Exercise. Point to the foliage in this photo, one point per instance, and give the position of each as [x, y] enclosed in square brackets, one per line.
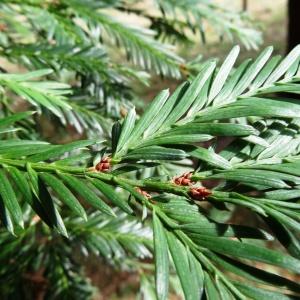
[259, 158]
[77, 39]
[230, 136]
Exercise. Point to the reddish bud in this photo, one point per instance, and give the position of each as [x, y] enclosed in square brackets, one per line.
[143, 193]
[104, 165]
[3, 27]
[184, 179]
[199, 193]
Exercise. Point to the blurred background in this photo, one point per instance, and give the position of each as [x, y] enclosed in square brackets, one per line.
[270, 16]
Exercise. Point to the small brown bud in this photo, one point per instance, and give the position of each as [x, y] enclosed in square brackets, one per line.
[184, 179]
[3, 27]
[104, 165]
[123, 112]
[199, 193]
[143, 193]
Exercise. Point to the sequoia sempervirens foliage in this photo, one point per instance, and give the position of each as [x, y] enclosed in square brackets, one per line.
[258, 170]
[154, 193]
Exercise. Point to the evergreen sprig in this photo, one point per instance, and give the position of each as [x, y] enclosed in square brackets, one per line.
[257, 170]
[78, 39]
[154, 192]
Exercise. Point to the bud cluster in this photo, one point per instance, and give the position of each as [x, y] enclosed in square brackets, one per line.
[197, 193]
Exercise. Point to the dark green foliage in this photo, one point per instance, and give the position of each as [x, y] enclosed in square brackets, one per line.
[194, 239]
[112, 196]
